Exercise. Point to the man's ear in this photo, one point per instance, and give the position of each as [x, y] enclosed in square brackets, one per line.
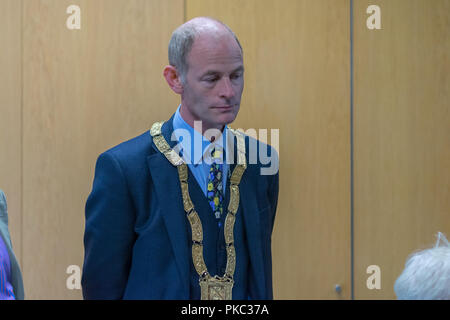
[173, 79]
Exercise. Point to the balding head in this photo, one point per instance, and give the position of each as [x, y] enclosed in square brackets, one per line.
[184, 36]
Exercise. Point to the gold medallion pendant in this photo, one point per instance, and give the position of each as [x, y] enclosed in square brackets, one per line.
[211, 287]
[216, 288]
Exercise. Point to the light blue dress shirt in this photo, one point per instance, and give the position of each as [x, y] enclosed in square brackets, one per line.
[196, 151]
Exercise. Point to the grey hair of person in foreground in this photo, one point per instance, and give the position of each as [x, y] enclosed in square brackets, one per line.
[427, 274]
[183, 37]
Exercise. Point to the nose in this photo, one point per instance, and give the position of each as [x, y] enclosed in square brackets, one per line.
[226, 88]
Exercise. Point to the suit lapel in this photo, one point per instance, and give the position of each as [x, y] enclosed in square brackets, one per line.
[167, 188]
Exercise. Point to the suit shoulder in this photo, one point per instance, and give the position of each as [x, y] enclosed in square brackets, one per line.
[260, 155]
[128, 157]
[251, 141]
[137, 147]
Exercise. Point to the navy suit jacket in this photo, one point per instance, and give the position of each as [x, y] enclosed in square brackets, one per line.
[136, 239]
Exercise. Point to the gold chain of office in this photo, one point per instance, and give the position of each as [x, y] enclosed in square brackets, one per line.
[212, 287]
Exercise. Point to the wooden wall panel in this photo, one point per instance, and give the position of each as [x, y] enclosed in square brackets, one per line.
[11, 117]
[84, 91]
[402, 136]
[297, 79]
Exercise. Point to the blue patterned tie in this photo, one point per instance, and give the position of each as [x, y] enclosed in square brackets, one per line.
[215, 192]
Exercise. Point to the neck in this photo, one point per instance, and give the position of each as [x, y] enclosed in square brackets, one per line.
[191, 119]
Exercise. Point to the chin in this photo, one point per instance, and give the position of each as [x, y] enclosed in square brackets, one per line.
[227, 119]
[223, 118]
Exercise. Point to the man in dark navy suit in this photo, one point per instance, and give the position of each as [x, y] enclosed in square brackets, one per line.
[167, 217]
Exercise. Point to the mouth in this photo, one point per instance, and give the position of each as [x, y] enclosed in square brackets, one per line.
[224, 108]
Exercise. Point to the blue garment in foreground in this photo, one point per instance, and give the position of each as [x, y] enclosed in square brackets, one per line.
[6, 289]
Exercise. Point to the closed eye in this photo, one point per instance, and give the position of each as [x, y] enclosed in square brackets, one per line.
[211, 79]
[236, 76]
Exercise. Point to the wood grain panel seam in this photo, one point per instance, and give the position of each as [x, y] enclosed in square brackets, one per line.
[352, 180]
[21, 137]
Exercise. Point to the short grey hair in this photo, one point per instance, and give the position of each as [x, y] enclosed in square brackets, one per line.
[181, 43]
[427, 274]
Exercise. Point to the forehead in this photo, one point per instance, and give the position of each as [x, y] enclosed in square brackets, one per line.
[214, 52]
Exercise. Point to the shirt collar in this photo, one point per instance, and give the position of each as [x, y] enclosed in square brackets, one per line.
[180, 123]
